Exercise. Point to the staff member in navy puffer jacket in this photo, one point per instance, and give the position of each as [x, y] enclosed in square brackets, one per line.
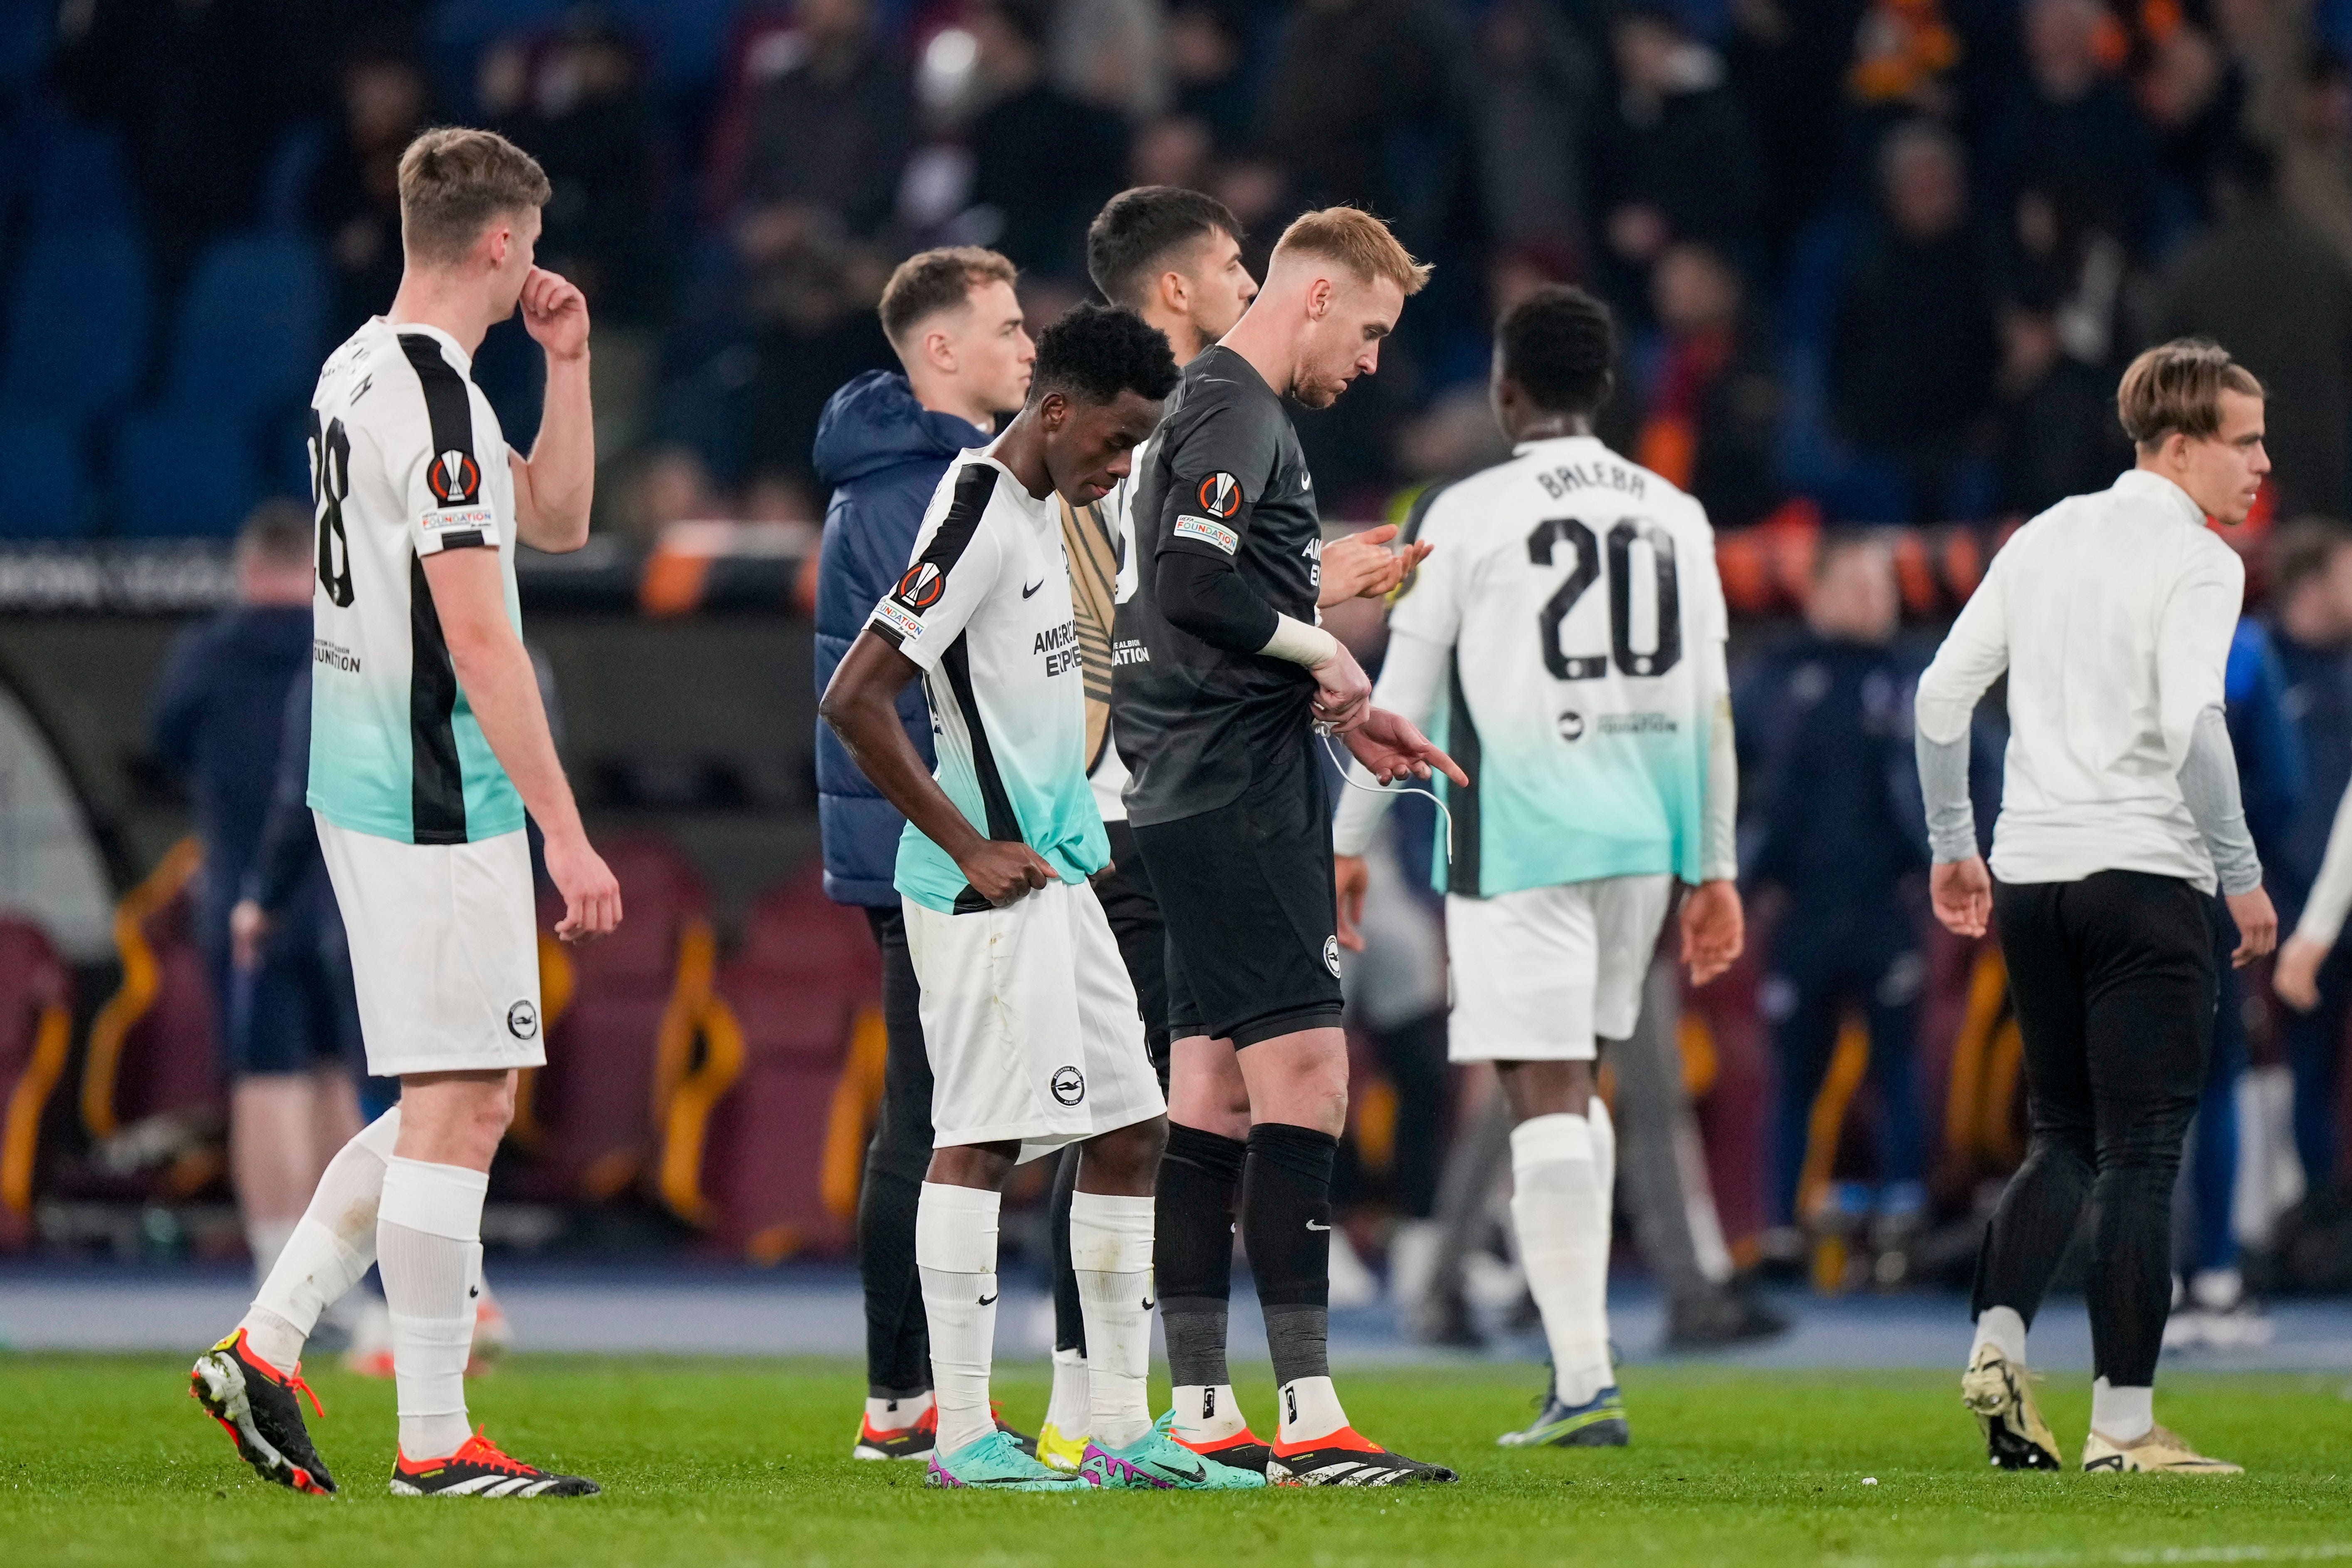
[882, 443]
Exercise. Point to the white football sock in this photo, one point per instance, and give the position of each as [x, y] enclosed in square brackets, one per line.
[1111, 1252]
[895, 1415]
[1206, 1413]
[429, 1248]
[331, 1249]
[955, 1253]
[2003, 1328]
[1066, 1410]
[1556, 1214]
[2121, 1416]
[265, 1240]
[1604, 1161]
[1310, 1409]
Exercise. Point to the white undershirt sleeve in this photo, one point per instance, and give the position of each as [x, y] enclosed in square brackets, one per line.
[1719, 825]
[1407, 687]
[2331, 891]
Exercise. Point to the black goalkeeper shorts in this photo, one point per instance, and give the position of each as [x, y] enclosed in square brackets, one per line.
[1245, 890]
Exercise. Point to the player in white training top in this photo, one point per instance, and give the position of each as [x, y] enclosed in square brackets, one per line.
[428, 743]
[1564, 640]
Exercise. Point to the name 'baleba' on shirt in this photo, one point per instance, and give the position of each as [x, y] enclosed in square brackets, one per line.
[1577, 598]
[983, 611]
[1224, 478]
[407, 460]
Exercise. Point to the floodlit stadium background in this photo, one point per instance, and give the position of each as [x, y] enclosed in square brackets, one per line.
[1876, 264]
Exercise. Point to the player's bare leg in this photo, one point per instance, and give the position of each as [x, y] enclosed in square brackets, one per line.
[1562, 1168]
[1298, 1105]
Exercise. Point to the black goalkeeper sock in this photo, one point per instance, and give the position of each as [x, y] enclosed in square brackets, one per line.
[1192, 1250]
[1287, 1226]
[1069, 1322]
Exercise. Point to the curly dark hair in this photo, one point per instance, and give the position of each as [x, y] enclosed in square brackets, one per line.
[1093, 353]
[1558, 343]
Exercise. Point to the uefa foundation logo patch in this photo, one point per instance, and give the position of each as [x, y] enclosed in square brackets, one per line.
[1331, 954]
[920, 588]
[522, 1020]
[1221, 496]
[1069, 1085]
[454, 479]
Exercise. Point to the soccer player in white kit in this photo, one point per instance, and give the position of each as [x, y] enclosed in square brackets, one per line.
[1029, 1017]
[429, 744]
[1564, 642]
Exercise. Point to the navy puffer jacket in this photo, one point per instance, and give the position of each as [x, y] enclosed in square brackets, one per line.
[883, 454]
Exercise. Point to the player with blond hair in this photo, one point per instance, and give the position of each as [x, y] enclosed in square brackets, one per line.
[1220, 680]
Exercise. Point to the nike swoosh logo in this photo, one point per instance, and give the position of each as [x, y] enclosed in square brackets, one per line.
[1312, 1226]
[988, 1300]
[1149, 1303]
[1032, 587]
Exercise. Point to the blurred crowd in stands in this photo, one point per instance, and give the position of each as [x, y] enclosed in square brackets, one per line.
[1879, 259]
[1878, 262]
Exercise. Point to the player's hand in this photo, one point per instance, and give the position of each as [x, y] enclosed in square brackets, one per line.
[1715, 929]
[248, 927]
[1361, 566]
[2295, 976]
[555, 314]
[591, 894]
[1390, 749]
[1343, 692]
[1961, 893]
[2257, 925]
[1349, 878]
[1004, 873]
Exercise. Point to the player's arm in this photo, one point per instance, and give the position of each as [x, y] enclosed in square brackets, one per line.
[470, 596]
[2192, 650]
[556, 485]
[2296, 976]
[1973, 657]
[1714, 926]
[1407, 692]
[861, 704]
[1198, 537]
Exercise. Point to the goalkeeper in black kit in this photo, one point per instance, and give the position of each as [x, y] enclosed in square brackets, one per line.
[1221, 680]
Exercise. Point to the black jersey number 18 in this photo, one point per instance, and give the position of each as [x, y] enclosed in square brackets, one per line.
[1622, 535]
[331, 482]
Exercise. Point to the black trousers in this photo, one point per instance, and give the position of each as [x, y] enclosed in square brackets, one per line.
[897, 1336]
[2115, 985]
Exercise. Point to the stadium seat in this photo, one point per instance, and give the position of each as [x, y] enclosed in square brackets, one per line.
[36, 1032]
[182, 474]
[247, 338]
[779, 1162]
[77, 324]
[634, 1005]
[151, 1086]
[44, 481]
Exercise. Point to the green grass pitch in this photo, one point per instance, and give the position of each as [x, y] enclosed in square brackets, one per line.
[714, 1463]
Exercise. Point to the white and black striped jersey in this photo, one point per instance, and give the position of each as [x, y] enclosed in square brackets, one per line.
[406, 459]
[985, 612]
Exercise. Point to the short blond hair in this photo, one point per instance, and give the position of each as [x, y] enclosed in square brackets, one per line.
[454, 181]
[2176, 388]
[930, 281]
[1358, 241]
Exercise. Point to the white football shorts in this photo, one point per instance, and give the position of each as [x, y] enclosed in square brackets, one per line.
[1031, 1024]
[445, 949]
[1540, 974]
